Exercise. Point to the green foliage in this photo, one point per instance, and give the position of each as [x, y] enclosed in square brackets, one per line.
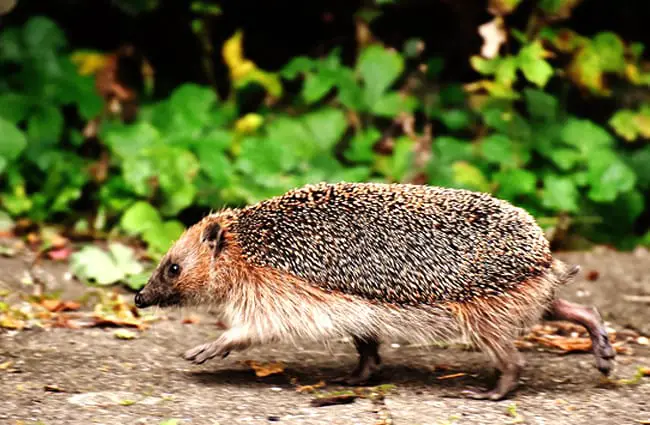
[509, 133]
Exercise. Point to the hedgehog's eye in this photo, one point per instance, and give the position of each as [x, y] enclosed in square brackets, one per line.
[174, 270]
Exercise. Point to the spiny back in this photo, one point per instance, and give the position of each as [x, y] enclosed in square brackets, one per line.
[401, 244]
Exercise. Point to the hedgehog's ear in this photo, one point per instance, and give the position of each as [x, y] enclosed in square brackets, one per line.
[213, 235]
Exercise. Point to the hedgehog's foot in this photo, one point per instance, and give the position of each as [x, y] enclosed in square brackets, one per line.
[510, 363]
[222, 347]
[369, 362]
[589, 318]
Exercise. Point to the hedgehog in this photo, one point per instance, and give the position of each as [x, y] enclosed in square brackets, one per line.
[369, 262]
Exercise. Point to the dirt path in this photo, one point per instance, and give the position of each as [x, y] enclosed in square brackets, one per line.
[88, 376]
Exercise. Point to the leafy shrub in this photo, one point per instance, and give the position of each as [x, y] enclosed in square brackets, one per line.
[508, 133]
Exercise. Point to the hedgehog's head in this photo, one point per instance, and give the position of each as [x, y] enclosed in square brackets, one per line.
[182, 276]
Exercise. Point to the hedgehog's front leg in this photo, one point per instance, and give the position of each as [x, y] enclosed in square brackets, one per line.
[509, 362]
[589, 318]
[369, 361]
[231, 340]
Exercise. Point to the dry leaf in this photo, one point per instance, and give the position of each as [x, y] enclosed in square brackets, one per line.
[334, 400]
[310, 388]
[265, 369]
[6, 365]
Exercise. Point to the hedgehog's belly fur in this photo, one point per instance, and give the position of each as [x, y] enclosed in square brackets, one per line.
[406, 245]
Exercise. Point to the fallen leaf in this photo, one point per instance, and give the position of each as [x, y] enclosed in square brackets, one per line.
[265, 369]
[334, 400]
[5, 365]
[593, 275]
[124, 334]
[53, 389]
[310, 388]
[645, 371]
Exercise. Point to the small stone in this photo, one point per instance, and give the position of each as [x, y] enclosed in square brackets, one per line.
[642, 340]
[395, 345]
[276, 389]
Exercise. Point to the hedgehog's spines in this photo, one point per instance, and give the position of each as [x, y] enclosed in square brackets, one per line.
[399, 244]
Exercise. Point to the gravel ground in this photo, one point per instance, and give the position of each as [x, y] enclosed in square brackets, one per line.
[88, 376]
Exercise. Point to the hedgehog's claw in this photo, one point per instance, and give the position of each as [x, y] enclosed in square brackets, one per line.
[494, 394]
[204, 352]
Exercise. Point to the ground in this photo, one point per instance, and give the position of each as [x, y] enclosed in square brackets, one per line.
[85, 376]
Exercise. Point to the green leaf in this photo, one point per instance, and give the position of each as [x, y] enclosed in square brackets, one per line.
[506, 71]
[129, 141]
[6, 223]
[565, 158]
[362, 144]
[402, 158]
[140, 217]
[611, 50]
[327, 126]
[449, 149]
[485, 66]
[104, 268]
[13, 140]
[470, 177]
[192, 99]
[11, 48]
[41, 34]
[455, 119]
[585, 135]
[535, 68]
[515, 182]
[608, 177]
[392, 104]
[14, 107]
[560, 194]
[124, 258]
[161, 237]
[624, 124]
[499, 149]
[540, 105]
[316, 86]
[297, 66]
[379, 69]
[45, 126]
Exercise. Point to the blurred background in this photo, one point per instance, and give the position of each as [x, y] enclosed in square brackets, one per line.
[128, 120]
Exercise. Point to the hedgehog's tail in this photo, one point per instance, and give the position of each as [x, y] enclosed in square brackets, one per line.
[564, 273]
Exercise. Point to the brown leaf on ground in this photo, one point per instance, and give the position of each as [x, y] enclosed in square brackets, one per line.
[593, 275]
[58, 305]
[310, 388]
[334, 400]
[265, 369]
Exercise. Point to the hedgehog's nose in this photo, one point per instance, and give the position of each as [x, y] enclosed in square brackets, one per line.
[139, 300]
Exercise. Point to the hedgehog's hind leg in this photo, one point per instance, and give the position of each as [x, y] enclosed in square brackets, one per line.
[510, 363]
[589, 318]
[369, 361]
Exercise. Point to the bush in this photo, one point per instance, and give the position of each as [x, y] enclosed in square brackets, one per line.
[508, 133]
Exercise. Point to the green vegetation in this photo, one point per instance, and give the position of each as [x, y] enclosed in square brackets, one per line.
[384, 118]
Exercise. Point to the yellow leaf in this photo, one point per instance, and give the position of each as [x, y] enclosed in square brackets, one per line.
[88, 62]
[249, 123]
